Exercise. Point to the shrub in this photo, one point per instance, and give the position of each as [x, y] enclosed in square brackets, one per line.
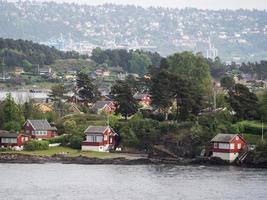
[75, 141]
[63, 139]
[37, 145]
[251, 127]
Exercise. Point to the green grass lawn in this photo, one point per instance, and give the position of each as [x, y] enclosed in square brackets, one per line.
[67, 151]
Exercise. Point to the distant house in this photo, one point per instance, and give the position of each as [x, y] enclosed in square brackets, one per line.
[228, 146]
[99, 138]
[45, 71]
[102, 72]
[104, 106]
[74, 109]
[143, 99]
[39, 129]
[104, 90]
[12, 139]
[19, 70]
[76, 99]
[44, 107]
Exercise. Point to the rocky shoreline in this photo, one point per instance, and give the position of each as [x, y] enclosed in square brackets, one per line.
[32, 159]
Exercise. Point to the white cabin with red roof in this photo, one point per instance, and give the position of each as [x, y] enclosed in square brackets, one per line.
[228, 146]
[99, 138]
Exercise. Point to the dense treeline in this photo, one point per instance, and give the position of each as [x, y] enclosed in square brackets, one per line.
[131, 61]
[18, 52]
[257, 69]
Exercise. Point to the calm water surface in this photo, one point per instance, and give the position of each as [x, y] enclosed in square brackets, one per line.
[86, 182]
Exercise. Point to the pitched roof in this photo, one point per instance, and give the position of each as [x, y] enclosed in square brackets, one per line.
[41, 125]
[8, 134]
[140, 96]
[96, 129]
[100, 104]
[223, 137]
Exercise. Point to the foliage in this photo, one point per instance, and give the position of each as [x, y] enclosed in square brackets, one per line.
[34, 145]
[26, 53]
[130, 61]
[63, 140]
[258, 69]
[126, 105]
[227, 82]
[263, 106]
[75, 141]
[194, 68]
[57, 95]
[243, 102]
[160, 90]
[251, 127]
[11, 114]
[86, 89]
[183, 78]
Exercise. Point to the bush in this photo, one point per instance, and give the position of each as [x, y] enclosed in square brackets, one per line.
[63, 139]
[37, 145]
[75, 141]
[251, 127]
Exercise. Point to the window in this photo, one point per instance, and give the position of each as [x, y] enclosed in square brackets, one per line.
[9, 140]
[239, 145]
[105, 137]
[232, 146]
[215, 145]
[224, 146]
[94, 138]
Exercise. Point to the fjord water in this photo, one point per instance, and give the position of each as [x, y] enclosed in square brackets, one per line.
[116, 182]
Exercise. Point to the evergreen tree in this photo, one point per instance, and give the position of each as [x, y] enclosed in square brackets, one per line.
[57, 95]
[126, 105]
[86, 89]
[243, 102]
[12, 114]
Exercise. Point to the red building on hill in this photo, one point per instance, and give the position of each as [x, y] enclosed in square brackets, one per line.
[99, 138]
[228, 146]
[39, 129]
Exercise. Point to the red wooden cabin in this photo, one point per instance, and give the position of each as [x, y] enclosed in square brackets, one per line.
[39, 129]
[99, 138]
[12, 139]
[228, 146]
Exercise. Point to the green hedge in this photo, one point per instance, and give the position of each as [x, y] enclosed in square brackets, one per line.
[37, 145]
[251, 127]
[63, 139]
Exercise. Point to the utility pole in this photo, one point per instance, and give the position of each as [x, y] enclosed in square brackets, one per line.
[214, 96]
[262, 129]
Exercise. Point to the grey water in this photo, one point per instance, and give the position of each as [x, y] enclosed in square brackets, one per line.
[122, 182]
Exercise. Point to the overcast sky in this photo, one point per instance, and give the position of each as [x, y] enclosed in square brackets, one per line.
[210, 4]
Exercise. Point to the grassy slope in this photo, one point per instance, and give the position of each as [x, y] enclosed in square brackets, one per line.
[68, 151]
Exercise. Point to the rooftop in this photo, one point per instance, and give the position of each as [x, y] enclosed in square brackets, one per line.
[41, 125]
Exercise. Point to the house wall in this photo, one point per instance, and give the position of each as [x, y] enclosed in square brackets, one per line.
[21, 140]
[107, 143]
[50, 134]
[225, 156]
[8, 144]
[229, 147]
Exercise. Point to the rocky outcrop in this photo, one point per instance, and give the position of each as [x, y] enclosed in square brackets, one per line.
[254, 159]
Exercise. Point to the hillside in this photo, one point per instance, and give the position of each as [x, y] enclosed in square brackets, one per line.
[240, 34]
[26, 53]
